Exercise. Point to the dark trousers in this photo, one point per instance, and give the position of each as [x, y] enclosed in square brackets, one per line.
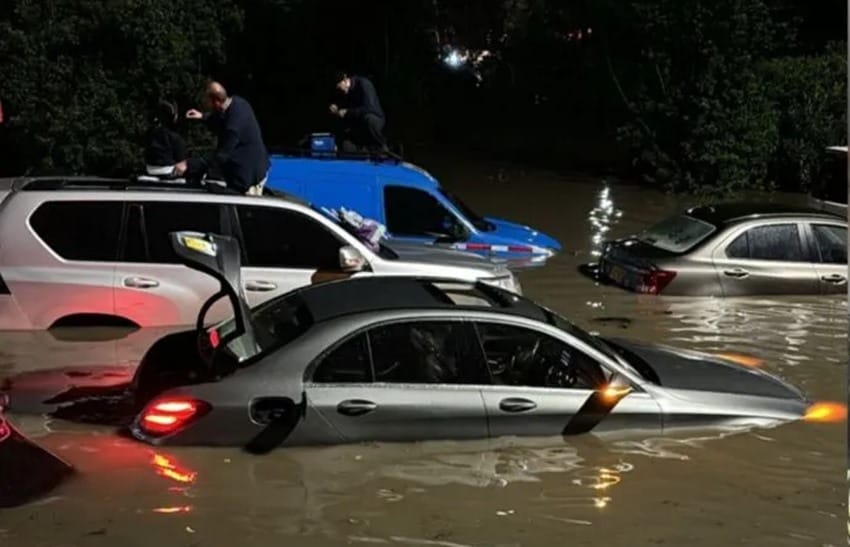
[364, 132]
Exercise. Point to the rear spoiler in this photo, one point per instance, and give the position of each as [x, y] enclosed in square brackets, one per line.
[218, 256]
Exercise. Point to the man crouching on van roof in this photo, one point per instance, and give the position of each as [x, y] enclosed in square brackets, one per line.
[241, 154]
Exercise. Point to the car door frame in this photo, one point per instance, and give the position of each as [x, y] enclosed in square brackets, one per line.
[165, 270]
[250, 273]
[638, 397]
[825, 269]
[474, 427]
[723, 262]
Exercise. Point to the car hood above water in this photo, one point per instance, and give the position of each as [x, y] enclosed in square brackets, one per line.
[681, 369]
[432, 254]
[511, 233]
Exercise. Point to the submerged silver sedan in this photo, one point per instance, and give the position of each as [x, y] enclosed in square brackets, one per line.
[732, 249]
[404, 359]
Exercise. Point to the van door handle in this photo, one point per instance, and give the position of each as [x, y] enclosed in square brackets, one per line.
[355, 407]
[736, 272]
[516, 404]
[140, 282]
[260, 286]
[836, 279]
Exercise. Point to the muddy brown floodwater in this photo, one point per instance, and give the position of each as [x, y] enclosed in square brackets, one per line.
[776, 487]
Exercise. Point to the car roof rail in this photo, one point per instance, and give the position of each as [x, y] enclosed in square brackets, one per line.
[374, 157]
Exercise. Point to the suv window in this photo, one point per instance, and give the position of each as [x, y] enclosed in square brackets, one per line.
[426, 352]
[279, 238]
[832, 243]
[346, 363]
[412, 212]
[80, 230]
[160, 218]
[517, 356]
[773, 242]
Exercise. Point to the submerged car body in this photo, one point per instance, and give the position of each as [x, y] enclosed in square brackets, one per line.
[732, 249]
[404, 359]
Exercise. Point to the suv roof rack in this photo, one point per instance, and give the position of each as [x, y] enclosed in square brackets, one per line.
[139, 183]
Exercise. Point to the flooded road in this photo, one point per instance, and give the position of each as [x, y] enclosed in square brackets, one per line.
[778, 487]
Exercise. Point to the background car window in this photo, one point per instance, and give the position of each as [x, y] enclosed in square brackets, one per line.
[412, 212]
[426, 352]
[162, 218]
[774, 242]
[277, 238]
[676, 234]
[80, 230]
[831, 242]
[347, 363]
[518, 356]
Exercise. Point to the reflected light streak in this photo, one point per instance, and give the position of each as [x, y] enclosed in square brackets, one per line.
[165, 467]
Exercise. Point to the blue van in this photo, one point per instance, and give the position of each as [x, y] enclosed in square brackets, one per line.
[406, 199]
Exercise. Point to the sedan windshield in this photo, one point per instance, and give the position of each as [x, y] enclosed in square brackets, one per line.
[676, 234]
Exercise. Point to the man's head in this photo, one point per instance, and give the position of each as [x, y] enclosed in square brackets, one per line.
[215, 97]
[342, 81]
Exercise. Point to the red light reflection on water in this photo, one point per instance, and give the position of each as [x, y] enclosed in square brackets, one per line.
[167, 467]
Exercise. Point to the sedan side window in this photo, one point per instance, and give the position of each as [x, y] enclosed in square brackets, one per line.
[426, 352]
[773, 242]
[832, 243]
[346, 363]
[412, 212]
[279, 238]
[518, 356]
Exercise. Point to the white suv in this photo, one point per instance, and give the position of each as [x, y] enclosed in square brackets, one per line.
[96, 251]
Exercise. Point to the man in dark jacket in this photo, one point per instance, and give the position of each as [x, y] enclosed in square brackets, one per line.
[241, 154]
[362, 117]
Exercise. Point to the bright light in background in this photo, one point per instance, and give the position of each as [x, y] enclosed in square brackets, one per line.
[454, 59]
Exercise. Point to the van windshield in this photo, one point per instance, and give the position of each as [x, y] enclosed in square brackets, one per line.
[382, 250]
[477, 220]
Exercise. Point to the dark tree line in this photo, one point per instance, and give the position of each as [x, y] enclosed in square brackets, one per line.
[687, 94]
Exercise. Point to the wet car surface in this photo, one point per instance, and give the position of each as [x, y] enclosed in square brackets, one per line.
[774, 487]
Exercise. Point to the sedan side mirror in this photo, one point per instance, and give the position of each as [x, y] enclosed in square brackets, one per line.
[616, 388]
[350, 260]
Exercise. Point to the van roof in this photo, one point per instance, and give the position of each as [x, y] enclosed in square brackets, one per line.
[396, 172]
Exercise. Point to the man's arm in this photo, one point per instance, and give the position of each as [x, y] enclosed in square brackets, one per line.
[370, 101]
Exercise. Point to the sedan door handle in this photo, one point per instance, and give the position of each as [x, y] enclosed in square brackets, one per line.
[736, 272]
[515, 404]
[260, 286]
[355, 407]
[836, 279]
[140, 282]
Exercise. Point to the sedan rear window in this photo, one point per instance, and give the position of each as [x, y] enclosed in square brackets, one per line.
[676, 234]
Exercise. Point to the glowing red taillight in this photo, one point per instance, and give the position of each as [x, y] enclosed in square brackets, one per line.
[654, 281]
[214, 339]
[5, 430]
[164, 416]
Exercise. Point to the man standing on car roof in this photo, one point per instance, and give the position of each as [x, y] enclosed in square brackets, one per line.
[241, 154]
[362, 117]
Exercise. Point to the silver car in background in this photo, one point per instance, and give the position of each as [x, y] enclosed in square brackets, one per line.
[732, 249]
[95, 251]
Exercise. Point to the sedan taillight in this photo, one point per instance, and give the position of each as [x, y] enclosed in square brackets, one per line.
[654, 281]
[166, 416]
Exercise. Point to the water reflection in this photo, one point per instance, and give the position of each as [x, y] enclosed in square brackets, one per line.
[603, 217]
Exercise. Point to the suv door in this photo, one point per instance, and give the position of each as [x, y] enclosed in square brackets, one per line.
[540, 384]
[768, 258]
[416, 216]
[83, 237]
[830, 246]
[284, 250]
[152, 286]
[403, 381]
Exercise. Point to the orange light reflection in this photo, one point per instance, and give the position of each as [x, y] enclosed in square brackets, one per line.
[171, 510]
[741, 359]
[826, 412]
[165, 467]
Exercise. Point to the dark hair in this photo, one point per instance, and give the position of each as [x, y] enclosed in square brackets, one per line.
[339, 75]
[166, 112]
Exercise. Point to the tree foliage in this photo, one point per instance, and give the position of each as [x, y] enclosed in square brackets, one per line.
[79, 77]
